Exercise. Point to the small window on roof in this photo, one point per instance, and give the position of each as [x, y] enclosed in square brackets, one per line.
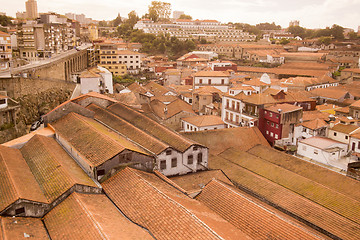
[100, 172]
[168, 152]
[195, 148]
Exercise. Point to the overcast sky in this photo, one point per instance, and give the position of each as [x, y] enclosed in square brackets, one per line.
[311, 13]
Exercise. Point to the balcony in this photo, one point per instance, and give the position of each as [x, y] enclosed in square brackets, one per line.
[252, 114]
[233, 109]
[227, 120]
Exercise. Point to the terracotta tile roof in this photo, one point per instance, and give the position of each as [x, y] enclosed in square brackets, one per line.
[207, 90]
[314, 124]
[307, 81]
[94, 141]
[19, 228]
[149, 207]
[137, 88]
[156, 89]
[151, 127]
[310, 115]
[356, 104]
[354, 70]
[331, 92]
[123, 127]
[89, 73]
[211, 74]
[281, 71]
[283, 107]
[129, 99]
[204, 120]
[166, 98]
[242, 211]
[308, 65]
[16, 179]
[297, 183]
[194, 182]
[330, 179]
[90, 216]
[347, 129]
[173, 108]
[221, 139]
[54, 170]
[285, 199]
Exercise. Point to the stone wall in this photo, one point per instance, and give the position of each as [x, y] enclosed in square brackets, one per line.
[17, 87]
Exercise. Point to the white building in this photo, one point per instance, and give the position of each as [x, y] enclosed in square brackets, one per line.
[96, 80]
[323, 150]
[3, 101]
[202, 123]
[308, 129]
[217, 79]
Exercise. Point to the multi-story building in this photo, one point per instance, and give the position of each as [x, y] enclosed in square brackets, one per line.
[217, 79]
[41, 40]
[118, 62]
[184, 29]
[31, 9]
[5, 51]
[243, 110]
[277, 123]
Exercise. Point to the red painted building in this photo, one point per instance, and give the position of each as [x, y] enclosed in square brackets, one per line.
[277, 123]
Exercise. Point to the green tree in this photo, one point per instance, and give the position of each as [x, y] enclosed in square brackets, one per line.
[132, 18]
[159, 10]
[117, 21]
[353, 36]
[184, 16]
[5, 20]
[284, 41]
[325, 40]
[297, 31]
[337, 32]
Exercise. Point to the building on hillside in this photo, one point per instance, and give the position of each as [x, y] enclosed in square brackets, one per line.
[31, 9]
[307, 129]
[203, 97]
[217, 79]
[354, 110]
[350, 75]
[341, 132]
[202, 123]
[308, 83]
[117, 61]
[5, 51]
[277, 123]
[220, 65]
[96, 79]
[243, 110]
[323, 150]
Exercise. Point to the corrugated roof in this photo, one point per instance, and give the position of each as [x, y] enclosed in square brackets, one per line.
[151, 127]
[54, 170]
[90, 216]
[204, 120]
[147, 206]
[242, 211]
[19, 228]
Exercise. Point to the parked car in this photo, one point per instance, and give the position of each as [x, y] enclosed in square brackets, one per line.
[35, 125]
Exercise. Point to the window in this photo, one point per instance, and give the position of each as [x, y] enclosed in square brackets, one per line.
[267, 122]
[335, 134]
[358, 145]
[276, 136]
[200, 81]
[267, 132]
[162, 164]
[174, 162]
[316, 151]
[200, 157]
[209, 81]
[277, 125]
[271, 114]
[168, 152]
[19, 211]
[190, 159]
[195, 148]
[271, 134]
[2, 101]
[272, 124]
[346, 137]
[222, 81]
[100, 172]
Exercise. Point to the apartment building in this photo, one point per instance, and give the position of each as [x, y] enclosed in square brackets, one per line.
[40, 40]
[5, 51]
[118, 61]
[217, 79]
[184, 29]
